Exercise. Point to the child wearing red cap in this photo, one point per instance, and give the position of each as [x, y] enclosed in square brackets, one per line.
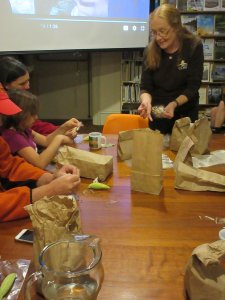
[17, 131]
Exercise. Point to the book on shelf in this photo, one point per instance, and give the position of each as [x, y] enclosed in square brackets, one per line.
[198, 5]
[219, 49]
[206, 72]
[211, 4]
[182, 5]
[137, 71]
[208, 48]
[218, 72]
[156, 3]
[219, 27]
[130, 108]
[127, 55]
[132, 55]
[203, 95]
[214, 94]
[222, 4]
[190, 22]
[195, 5]
[223, 91]
[205, 25]
[172, 2]
[131, 70]
[211, 66]
[125, 71]
[137, 92]
[130, 92]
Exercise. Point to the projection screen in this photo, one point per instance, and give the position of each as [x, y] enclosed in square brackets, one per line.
[46, 25]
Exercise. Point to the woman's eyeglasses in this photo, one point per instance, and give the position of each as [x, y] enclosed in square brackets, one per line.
[163, 33]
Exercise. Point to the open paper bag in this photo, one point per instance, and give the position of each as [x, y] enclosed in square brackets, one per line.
[91, 165]
[200, 129]
[205, 273]
[125, 143]
[53, 219]
[189, 178]
[146, 172]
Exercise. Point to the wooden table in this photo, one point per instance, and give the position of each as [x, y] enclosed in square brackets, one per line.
[146, 239]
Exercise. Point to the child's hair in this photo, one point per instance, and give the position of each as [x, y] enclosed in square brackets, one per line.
[27, 102]
[11, 69]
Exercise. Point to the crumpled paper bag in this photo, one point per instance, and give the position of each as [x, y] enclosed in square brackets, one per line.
[91, 165]
[205, 273]
[53, 219]
[200, 129]
[146, 171]
[192, 179]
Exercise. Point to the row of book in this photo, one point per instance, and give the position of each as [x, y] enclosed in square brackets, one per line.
[205, 25]
[130, 92]
[198, 5]
[131, 71]
[211, 95]
[214, 49]
[132, 55]
[213, 72]
[208, 95]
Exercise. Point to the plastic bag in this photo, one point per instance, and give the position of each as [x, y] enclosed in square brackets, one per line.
[20, 267]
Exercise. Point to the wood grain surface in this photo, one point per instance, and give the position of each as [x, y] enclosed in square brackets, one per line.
[146, 239]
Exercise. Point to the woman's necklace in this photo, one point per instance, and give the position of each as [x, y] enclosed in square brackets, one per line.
[172, 52]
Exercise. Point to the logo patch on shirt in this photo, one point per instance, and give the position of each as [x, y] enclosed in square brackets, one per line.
[182, 66]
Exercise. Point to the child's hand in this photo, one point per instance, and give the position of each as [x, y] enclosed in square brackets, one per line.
[67, 140]
[72, 133]
[71, 124]
[64, 140]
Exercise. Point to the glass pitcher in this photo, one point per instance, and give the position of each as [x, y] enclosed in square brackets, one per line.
[69, 269]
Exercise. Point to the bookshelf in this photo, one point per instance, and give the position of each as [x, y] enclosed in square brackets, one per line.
[131, 70]
[206, 18]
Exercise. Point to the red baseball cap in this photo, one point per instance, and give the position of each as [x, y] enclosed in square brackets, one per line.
[7, 107]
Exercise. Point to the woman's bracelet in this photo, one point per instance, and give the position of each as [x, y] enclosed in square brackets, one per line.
[177, 103]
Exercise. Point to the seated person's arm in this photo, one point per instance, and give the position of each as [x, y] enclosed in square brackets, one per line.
[65, 129]
[65, 184]
[45, 157]
[12, 202]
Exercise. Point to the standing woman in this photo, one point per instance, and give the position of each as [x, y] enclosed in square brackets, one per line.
[173, 71]
[14, 75]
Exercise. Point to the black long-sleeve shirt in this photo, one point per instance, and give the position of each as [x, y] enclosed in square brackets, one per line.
[178, 74]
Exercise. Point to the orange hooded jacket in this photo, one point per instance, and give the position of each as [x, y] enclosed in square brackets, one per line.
[15, 174]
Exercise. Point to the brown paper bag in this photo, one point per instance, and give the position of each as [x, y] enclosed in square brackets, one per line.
[179, 132]
[53, 219]
[91, 165]
[189, 178]
[146, 172]
[200, 129]
[125, 143]
[205, 275]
